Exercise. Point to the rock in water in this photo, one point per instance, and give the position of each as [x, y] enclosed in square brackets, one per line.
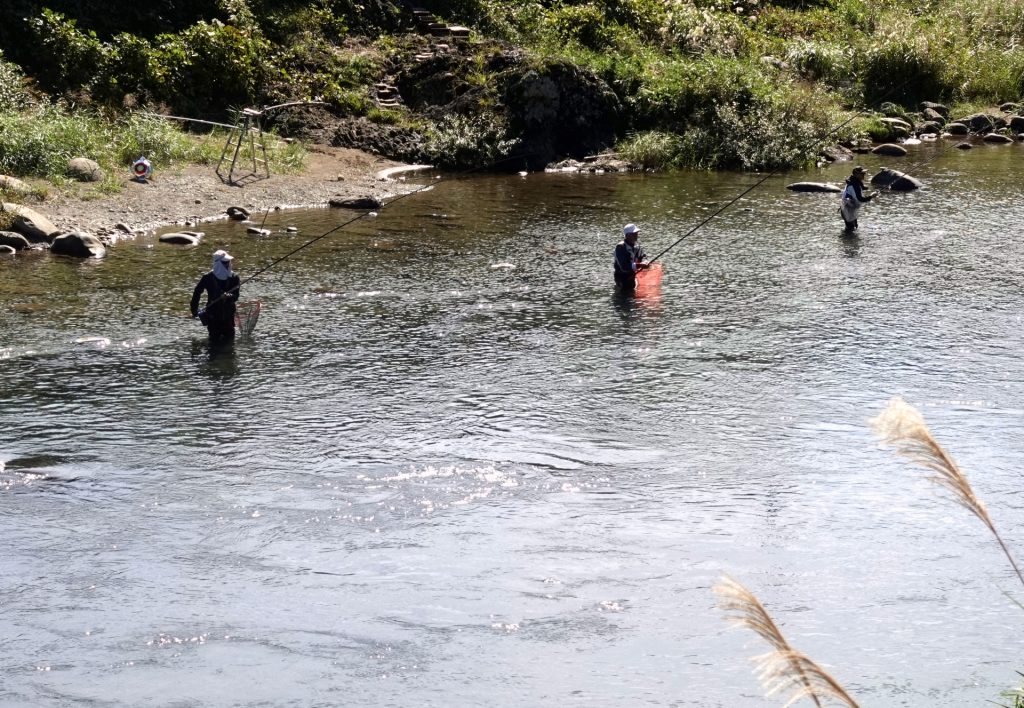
[78, 244]
[896, 181]
[813, 187]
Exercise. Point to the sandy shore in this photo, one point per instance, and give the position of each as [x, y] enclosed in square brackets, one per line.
[196, 193]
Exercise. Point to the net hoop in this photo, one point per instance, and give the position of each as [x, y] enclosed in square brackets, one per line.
[247, 313]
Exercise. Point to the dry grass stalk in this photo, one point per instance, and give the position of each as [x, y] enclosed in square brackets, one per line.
[785, 668]
[901, 426]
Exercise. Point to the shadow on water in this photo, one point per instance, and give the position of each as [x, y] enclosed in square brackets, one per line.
[218, 361]
[850, 244]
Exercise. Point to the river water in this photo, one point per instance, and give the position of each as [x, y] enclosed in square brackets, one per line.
[452, 468]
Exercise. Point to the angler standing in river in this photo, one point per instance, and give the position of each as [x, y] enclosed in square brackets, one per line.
[222, 288]
[629, 258]
[853, 198]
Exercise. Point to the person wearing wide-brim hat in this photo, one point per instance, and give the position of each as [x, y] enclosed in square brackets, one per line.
[629, 258]
[222, 286]
[853, 198]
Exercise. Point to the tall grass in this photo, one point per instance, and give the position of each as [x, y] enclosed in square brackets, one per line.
[784, 669]
[39, 142]
[902, 427]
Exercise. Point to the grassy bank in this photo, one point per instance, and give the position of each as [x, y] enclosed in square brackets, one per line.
[750, 84]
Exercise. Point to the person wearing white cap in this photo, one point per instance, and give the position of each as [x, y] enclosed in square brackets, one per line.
[222, 286]
[629, 258]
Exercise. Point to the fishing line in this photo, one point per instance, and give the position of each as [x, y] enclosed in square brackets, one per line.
[774, 172]
[354, 219]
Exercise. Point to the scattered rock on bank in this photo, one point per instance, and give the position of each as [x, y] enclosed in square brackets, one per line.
[79, 244]
[30, 223]
[84, 170]
[237, 213]
[355, 203]
[13, 240]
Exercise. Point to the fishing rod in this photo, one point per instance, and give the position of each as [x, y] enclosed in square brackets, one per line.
[917, 166]
[749, 189]
[354, 219]
[774, 172]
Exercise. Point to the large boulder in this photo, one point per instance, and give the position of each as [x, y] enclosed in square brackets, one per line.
[895, 180]
[78, 244]
[84, 170]
[813, 187]
[559, 110]
[890, 149]
[15, 241]
[930, 114]
[957, 128]
[237, 213]
[1017, 124]
[29, 223]
[978, 122]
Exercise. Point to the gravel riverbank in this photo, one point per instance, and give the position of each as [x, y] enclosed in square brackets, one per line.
[195, 193]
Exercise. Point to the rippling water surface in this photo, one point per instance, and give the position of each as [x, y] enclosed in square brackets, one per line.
[451, 468]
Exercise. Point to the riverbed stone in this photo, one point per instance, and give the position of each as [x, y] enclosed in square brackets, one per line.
[895, 180]
[890, 149]
[939, 108]
[813, 187]
[7, 250]
[997, 138]
[178, 238]
[930, 114]
[355, 203]
[84, 170]
[1016, 124]
[237, 213]
[79, 244]
[29, 223]
[14, 240]
[978, 122]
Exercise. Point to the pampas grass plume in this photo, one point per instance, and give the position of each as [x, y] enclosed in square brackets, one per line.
[902, 427]
[784, 668]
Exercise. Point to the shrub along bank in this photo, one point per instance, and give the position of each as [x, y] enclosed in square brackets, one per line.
[751, 84]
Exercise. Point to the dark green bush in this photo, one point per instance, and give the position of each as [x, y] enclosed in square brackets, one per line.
[907, 71]
[13, 94]
[208, 67]
[66, 58]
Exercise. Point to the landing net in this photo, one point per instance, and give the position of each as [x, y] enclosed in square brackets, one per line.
[246, 315]
[648, 281]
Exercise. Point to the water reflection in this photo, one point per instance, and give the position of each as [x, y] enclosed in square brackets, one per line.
[495, 454]
[217, 360]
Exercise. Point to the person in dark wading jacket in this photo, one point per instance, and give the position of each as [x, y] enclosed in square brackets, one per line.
[629, 258]
[853, 197]
[221, 286]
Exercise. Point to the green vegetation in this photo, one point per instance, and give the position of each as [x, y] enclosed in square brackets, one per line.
[749, 84]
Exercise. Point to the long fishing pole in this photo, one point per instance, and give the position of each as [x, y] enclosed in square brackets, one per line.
[748, 190]
[354, 219]
[774, 172]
